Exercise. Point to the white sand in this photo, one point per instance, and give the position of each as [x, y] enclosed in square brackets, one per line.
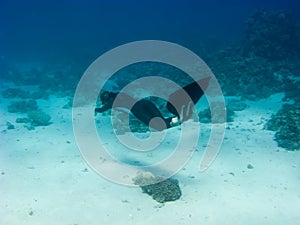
[44, 179]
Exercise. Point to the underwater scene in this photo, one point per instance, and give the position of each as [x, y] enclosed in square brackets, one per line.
[149, 112]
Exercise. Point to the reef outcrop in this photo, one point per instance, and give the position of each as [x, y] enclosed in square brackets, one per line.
[161, 190]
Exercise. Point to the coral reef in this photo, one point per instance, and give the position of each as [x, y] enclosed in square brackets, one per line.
[249, 77]
[19, 93]
[15, 93]
[23, 120]
[35, 117]
[23, 106]
[286, 123]
[57, 80]
[250, 70]
[161, 190]
[291, 86]
[39, 118]
[164, 191]
[272, 35]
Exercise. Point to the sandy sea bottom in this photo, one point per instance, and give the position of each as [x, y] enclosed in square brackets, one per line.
[44, 179]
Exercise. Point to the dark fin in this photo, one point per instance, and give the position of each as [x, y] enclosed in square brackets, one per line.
[182, 97]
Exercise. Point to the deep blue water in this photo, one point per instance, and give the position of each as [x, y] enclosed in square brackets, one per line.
[82, 30]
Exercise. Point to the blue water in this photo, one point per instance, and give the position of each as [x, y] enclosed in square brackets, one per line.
[82, 30]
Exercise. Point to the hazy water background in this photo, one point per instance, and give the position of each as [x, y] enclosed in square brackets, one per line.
[79, 31]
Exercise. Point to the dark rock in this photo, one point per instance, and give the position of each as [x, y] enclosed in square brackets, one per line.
[250, 167]
[19, 93]
[161, 190]
[15, 93]
[291, 85]
[23, 120]
[23, 106]
[10, 126]
[39, 118]
[29, 127]
[286, 123]
[164, 191]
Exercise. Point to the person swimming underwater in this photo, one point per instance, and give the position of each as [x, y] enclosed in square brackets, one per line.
[147, 112]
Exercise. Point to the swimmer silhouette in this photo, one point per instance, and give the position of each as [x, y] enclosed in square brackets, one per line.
[179, 104]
